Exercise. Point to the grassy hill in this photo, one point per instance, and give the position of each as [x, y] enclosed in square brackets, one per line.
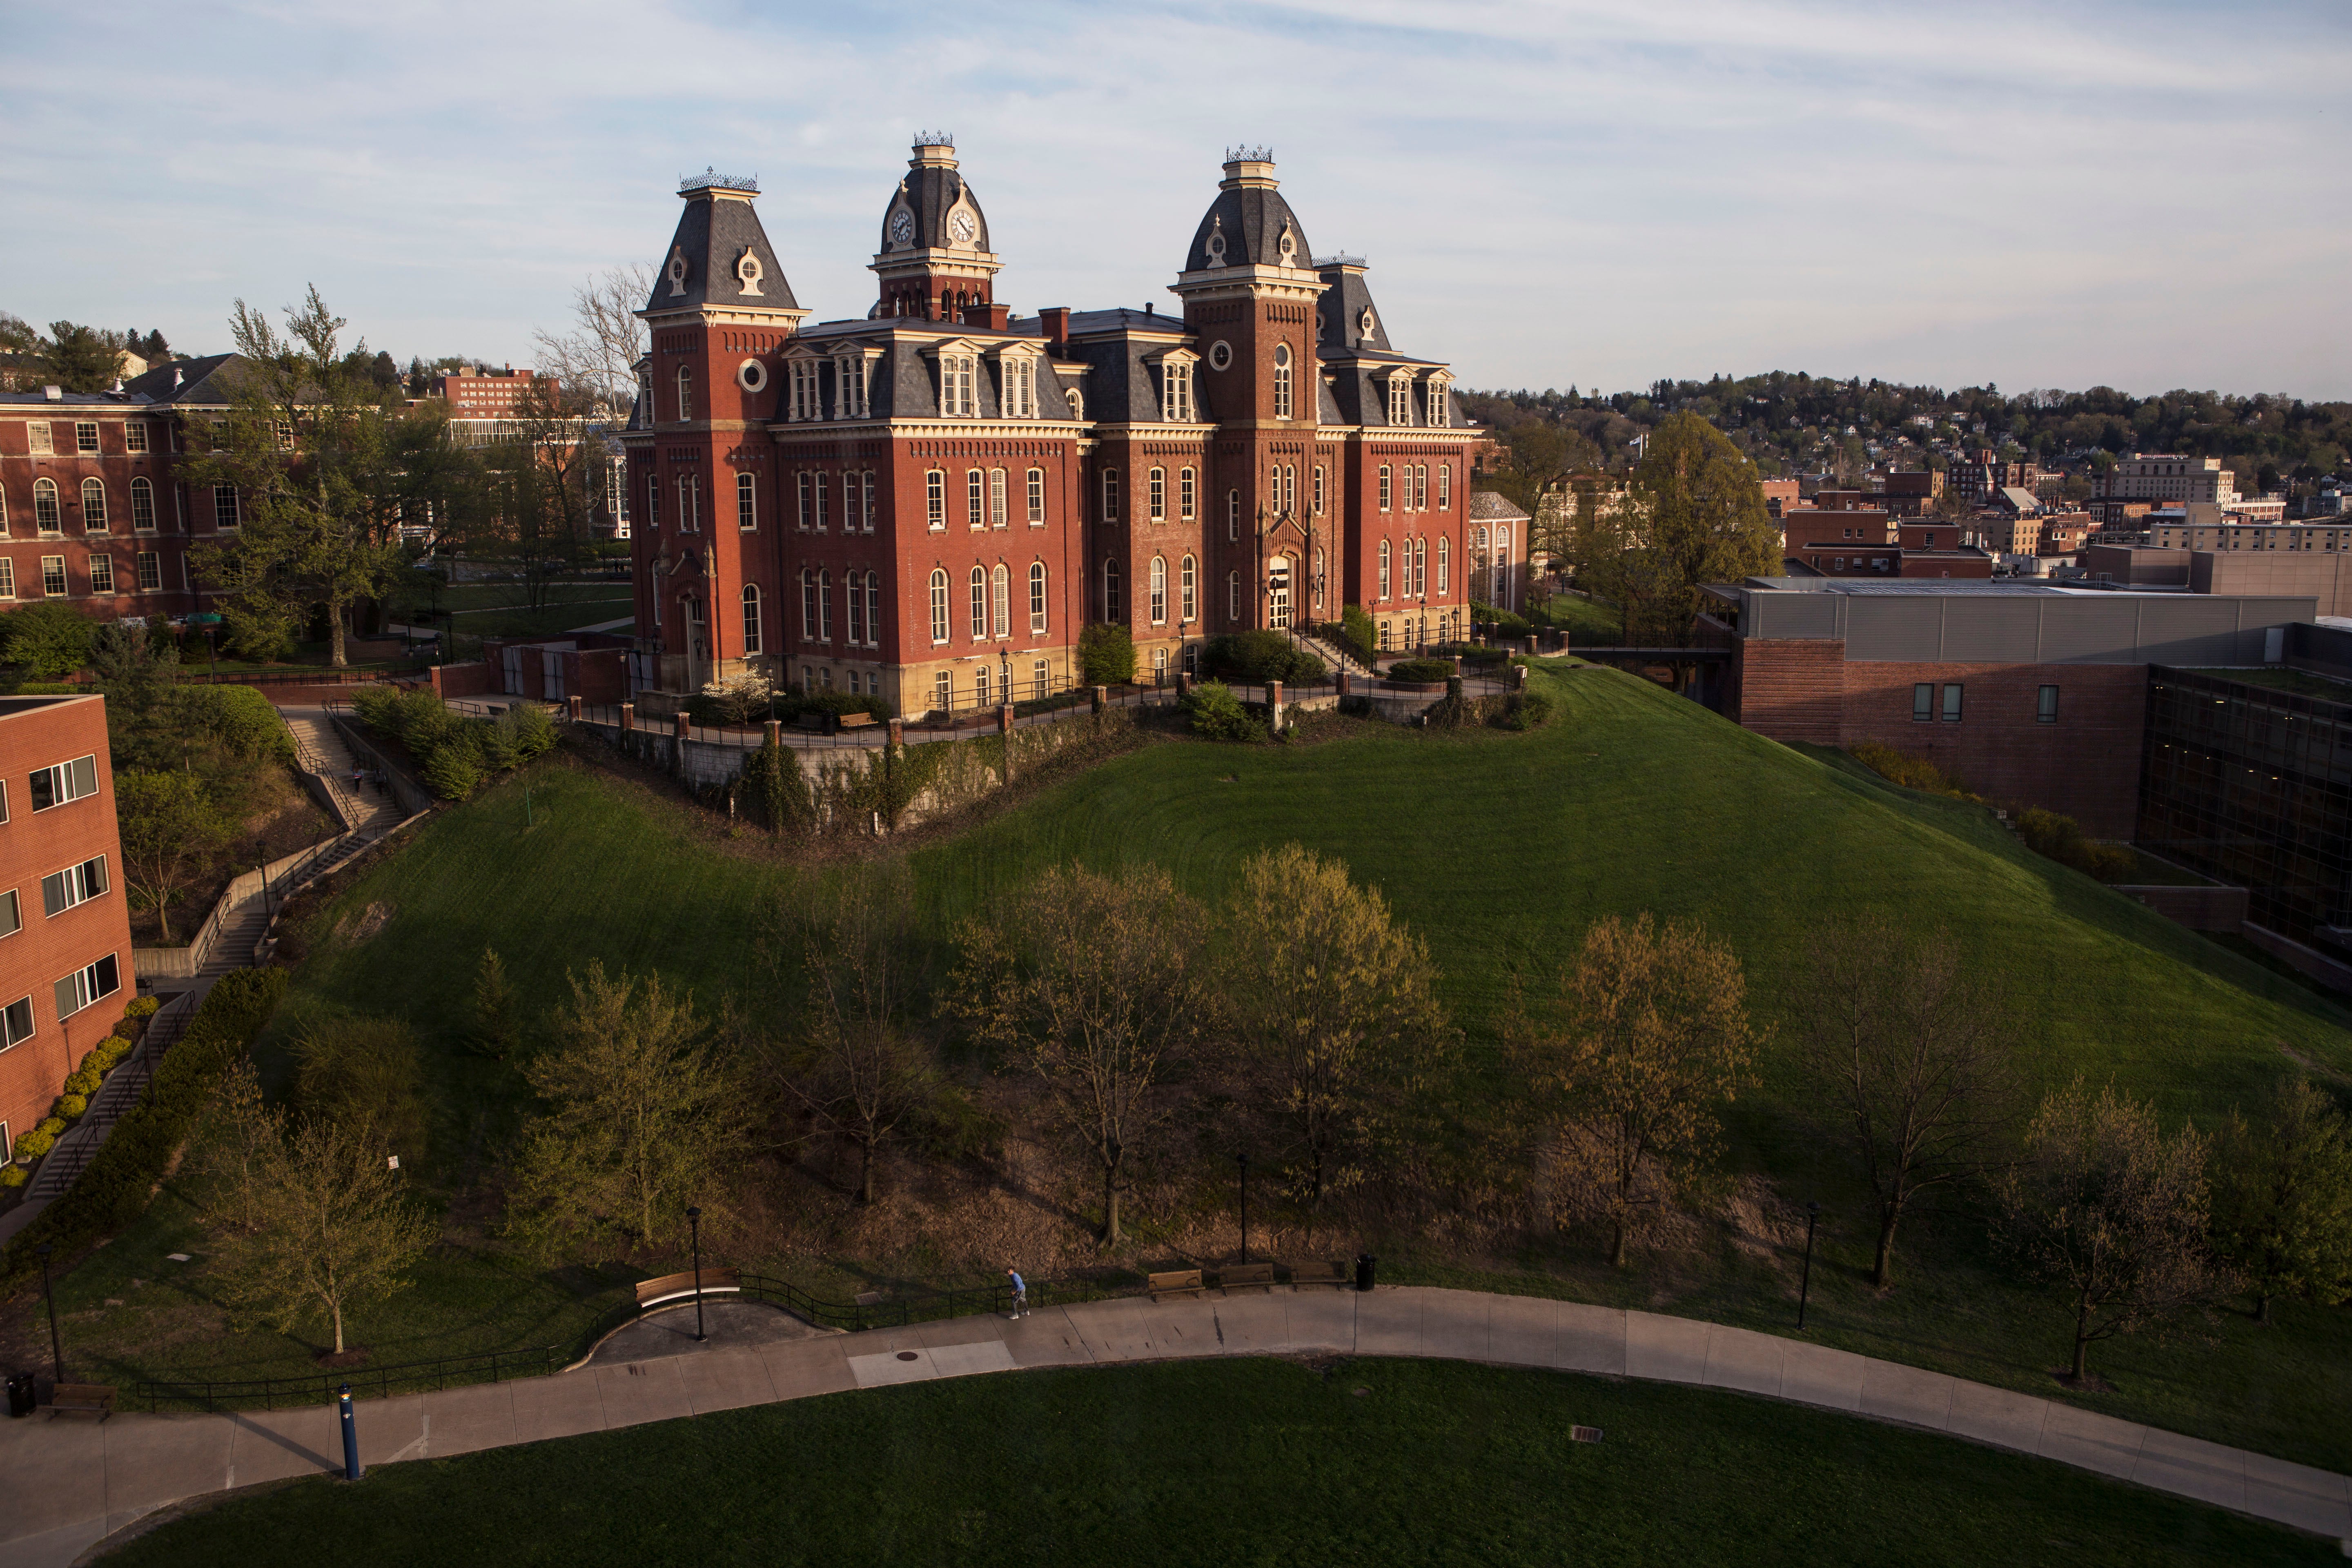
[1499, 849]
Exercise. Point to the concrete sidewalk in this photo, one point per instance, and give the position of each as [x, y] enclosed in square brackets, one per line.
[67, 1483]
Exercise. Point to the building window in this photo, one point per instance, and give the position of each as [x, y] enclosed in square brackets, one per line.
[1188, 582]
[1386, 489]
[1233, 516]
[685, 393]
[1445, 555]
[48, 518]
[1232, 597]
[1037, 600]
[956, 397]
[84, 986]
[808, 605]
[1176, 391]
[1041, 675]
[86, 436]
[938, 605]
[1001, 596]
[823, 505]
[747, 504]
[53, 576]
[12, 921]
[1445, 486]
[1400, 400]
[17, 1022]
[1282, 381]
[805, 513]
[690, 503]
[1439, 405]
[1111, 605]
[751, 617]
[653, 500]
[943, 692]
[39, 437]
[1036, 498]
[1110, 495]
[1384, 569]
[1157, 492]
[61, 890]
[1185, 488]
[93, 506]
[142, 506]
[979, 605]
[824, 606]
[874, 617]
[1319, 490]
[853, 604]
[996, 516]
[2045, 708]
[1952, 703]
[975, 498]
[7, 578]
[101, 573]
[1021, 387]
[150, 567]
[1421, 487]
[980, 685]
[134, 436]
[1159, 591]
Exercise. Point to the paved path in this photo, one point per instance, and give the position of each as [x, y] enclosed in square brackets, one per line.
[67, 1483]
[321, 750]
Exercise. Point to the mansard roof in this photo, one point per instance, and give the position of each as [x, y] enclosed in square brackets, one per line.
[703, 266]
[905, 383]
[1346, 305]
[930, 192]
[1245, 225]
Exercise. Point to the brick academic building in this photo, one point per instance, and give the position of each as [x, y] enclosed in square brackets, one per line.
[2031, 695]
[928, 502]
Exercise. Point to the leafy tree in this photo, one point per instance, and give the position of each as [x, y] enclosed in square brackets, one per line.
[1106, 655]
[1649, 1033]
[16, 334]
[1700, 513]
[1096, 985]
[365, 1073]
[642, 1114]
[1908, 1051]
[1217, 714]
[171, 831]
[47, 641]
[857, 1063]
[2283, 1199]
[325, 1224]
[2115, 1215]
[495, 1030]
[81, 359]
[1338, 1019]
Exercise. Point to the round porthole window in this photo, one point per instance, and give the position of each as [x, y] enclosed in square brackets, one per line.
[750, 376]
[1221, 354]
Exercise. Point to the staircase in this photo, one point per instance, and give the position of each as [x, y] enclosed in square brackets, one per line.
[121, 1091]
[1332, 654]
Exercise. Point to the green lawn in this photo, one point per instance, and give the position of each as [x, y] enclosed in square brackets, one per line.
[1247, 1461]
[1497, 848]
[1590, 621]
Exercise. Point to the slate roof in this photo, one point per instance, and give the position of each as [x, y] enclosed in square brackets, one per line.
[208, 379]
[1250, 220]
[930, 191]
[712, 234]
[905, 385]
[1488, 506]
[1346, 297]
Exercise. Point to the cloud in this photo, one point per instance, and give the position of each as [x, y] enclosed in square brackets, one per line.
[2146, 194]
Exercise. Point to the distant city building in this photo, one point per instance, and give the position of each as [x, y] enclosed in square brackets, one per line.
[2169, 477]
[1780, 496]
[490, 394]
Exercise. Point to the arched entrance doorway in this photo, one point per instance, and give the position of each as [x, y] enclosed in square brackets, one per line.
[1277, 593]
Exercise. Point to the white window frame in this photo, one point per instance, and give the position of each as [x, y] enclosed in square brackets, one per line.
[1110, 495]
[53, 570]
[86, 437]
[1036, 498]
[1156, 492]
[1187, 492]
[1387, 486]
[48, 509]
[1283, 400]
[40, 439]
[1159, 591]
[143, 505]
[977, 581]
[939, 607]
[685, 386]
[1319, 490]
[88, 986]
[747, 503]
[96, 522]
[1000, 600]
[1188, 591]
[935, 499]
[134, 436]
[101, 573]
[1038, 601]
[1400, 399]
[997, 515]
[752, 638]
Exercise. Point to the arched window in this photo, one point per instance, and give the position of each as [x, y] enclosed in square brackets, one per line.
[1444, 556]
[978, 603]
[1232, 595]
[938, 605]
[750, 618]
[142, 508]
[1384, 568]
[824, 604]
[1158, 495]
[46, 516]
[1158, 591]
[1503, 568]
[93, 506]
[1001, 581]
[1037, 598]
[1282, 381]
[808, 605]
[1111, 608]
[853, 603]
[747, 504]
[1189, 588]
[979, 686]
[685, 393]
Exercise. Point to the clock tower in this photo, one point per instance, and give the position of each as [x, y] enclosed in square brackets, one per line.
[935, 263]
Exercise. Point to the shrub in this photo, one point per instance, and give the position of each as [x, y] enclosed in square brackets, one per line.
[52, 1125]
[376, 707]
[2060, 839]
[1218, 715]
[107, 1052]
[1421, 669]
[1503, 622]
[1260, 656]
[145, 1008]
[47, 641]
[1910, 772]
[745, 699]
[453, 770]
[14, 1176]
[1362, 637]
[419, 718]
[1106, 655]
[31, 1146]
[71, 1105]
[1473, 653]
[791, 705]
[121, 1177]
[775, 789]
[529, 730]
[1524, 711]
[82, 1081]
[243, 721]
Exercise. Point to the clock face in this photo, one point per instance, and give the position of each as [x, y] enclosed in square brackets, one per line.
[960, 227]
[902, 227]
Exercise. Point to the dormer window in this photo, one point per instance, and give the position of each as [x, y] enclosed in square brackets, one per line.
[958, 398]
[1176, 391]
[1019, 376]
[1441, 403]
[807, 402]
[1400, 399]
[849, 388]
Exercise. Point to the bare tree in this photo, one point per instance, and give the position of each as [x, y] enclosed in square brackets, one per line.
[1096, 985]
[1911, 1060]
[1333, 1006]
[857, 1063]
[2107, 1209]
[543, 483]
[598, 353]
[1649, 1033]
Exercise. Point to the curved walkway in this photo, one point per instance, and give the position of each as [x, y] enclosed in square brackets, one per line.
[66, 1483]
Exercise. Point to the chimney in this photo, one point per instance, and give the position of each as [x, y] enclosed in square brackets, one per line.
[1055, 321]
[988, 314]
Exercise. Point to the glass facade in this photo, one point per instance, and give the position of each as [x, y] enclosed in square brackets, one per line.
[2252, 784]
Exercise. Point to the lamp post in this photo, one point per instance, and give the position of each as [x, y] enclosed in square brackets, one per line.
[1805, 1289]
[1243, 1160]
[694, 1219]
[352, 1470]
[57, 1350]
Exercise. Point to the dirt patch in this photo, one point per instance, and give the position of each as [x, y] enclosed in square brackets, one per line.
[356, 929]
[2089, 1383]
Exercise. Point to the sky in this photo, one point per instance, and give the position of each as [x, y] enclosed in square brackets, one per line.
[2147, 195]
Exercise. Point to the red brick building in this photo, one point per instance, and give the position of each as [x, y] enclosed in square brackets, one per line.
[489, 394]
[64, 927]
[2031, 695]
[93, 510]
[928, 502]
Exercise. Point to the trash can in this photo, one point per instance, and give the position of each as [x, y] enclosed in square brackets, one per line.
[20, 1394]
[1363, 1271]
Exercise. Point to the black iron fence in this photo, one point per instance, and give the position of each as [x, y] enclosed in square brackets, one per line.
[319, 1387]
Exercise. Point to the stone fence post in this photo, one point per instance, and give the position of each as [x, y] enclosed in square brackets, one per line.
[897, 730]
[682, 722]
[1344, 679]
[775, 731]
[1274, 704]
[1102, 698]
[628, 717]
[1518, 678]
[575, 703]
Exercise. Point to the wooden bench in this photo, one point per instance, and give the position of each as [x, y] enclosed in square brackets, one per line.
[1176, 1282]
[1302, 1275]
[680, 1287]
[856, 721]
[1240, 1276]
[82, 1398]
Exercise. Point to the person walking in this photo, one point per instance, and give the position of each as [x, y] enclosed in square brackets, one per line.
[1020, 1294]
